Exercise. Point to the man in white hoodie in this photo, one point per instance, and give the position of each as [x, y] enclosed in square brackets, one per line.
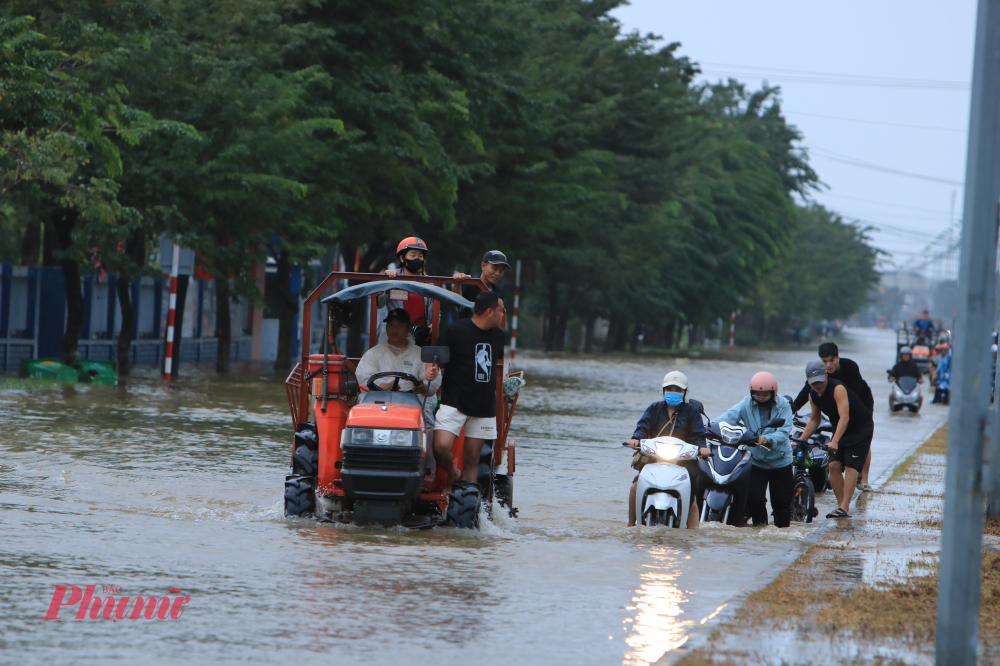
[399, 354]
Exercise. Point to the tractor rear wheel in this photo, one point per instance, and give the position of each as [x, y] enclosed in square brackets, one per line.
[300, 498]
[305, 461]
[463, 507]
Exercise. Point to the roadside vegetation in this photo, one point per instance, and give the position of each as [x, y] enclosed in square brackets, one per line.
[258, 129]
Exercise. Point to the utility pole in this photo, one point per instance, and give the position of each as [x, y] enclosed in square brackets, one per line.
[968, 418]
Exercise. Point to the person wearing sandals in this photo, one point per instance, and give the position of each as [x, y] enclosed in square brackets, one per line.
[852, 436]
[847, 371]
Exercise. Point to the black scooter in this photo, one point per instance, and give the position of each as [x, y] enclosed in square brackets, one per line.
[728, 467]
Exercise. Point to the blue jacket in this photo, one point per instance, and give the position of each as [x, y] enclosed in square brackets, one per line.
[748, 411]
[944, 372]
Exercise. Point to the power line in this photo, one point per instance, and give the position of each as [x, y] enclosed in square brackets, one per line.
[837, 157]
[876, 122]
[885, 203]
[832, 78]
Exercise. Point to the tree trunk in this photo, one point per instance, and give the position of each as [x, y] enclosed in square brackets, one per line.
[288, 307]
[135, 251]
[125, 332]
[668, 333]
[223, 324]
[553, 306]
[31, 244]
[63, 224]
[588, 335]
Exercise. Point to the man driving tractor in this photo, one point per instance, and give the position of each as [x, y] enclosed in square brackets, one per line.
[399, 354]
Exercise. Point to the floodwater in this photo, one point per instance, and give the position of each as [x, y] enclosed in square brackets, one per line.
[147, 488]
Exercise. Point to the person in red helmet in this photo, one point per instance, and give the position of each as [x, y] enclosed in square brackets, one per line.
[772, 457]
[411, 253]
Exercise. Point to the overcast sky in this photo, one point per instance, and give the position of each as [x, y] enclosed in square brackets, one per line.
[915, 117]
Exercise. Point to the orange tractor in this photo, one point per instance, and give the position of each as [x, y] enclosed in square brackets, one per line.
[363, 457]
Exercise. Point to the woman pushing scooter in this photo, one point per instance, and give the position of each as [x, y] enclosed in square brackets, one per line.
[772, 457]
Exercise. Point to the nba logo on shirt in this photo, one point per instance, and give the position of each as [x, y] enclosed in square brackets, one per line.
[484, 360]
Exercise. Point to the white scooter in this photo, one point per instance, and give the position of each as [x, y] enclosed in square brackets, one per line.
[663, 493]
[906, 395]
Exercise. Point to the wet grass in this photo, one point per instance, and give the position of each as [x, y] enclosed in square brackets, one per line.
[20, 384]
[823, 595]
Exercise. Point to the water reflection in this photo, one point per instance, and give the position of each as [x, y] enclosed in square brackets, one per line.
[657, 627]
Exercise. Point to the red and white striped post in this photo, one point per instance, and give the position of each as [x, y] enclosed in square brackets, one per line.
[732, 331]
[517, 301]
[169, 354]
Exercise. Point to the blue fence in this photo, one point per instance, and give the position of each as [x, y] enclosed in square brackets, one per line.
[33, 319]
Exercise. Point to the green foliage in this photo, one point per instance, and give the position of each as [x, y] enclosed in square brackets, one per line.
[277, 127]
[829, 274]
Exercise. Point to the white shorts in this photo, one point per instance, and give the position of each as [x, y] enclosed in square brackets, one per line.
[476, 427]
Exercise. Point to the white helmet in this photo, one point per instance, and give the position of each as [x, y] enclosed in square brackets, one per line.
[675, 378]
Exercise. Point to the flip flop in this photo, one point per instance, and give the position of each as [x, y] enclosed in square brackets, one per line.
[866, 488]
[839, 513]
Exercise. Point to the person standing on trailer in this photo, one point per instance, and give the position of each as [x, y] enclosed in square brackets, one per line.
[847, 371]
[468, 388]
[494, 265]
[411, 254]
[852, 436]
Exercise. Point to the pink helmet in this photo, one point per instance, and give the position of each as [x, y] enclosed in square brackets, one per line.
[764, 381]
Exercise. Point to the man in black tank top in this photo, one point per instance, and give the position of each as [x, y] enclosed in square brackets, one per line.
[853, 431]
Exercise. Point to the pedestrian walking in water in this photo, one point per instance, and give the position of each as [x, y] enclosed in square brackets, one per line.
[846, 371]
[852, 436]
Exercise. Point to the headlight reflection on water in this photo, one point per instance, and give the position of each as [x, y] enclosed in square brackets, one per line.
[657, 627]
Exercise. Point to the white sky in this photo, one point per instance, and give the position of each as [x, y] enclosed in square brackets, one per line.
[929, 42]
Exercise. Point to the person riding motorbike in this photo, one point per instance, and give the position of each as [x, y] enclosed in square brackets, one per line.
[923, 329]
[411, 253]
[906, 367]
[772, 457]
[674, 417]
[942, 380]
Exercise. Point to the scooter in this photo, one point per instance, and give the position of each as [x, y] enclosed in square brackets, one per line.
[905, 394]
[664, 486]
[819, 467]
[728, 465]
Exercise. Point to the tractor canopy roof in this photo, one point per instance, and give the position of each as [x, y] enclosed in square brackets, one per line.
[425, 290]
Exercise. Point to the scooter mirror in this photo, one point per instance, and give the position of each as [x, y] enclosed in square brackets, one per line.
[435, 354]
[775, 423]
[697, 405]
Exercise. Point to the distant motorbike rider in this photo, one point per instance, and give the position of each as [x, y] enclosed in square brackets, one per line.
[852, 436]
[411, 253]
[906, 367]
[772, 457]
[846, 371]
[942, 379]
[674, 417]
[923, 328]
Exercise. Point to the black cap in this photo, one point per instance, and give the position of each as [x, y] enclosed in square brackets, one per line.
[398, 314]
[496, 257]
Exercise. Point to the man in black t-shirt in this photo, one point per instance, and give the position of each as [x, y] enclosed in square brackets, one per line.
[468, 389]
[848, 373]
[852, 436]
[494, 265]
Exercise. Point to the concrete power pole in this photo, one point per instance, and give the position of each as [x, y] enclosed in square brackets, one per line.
[968, 418]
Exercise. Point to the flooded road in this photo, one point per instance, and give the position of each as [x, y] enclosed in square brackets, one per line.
[148, 489]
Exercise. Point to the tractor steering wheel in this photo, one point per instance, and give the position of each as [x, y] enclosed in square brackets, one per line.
[372, 386]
